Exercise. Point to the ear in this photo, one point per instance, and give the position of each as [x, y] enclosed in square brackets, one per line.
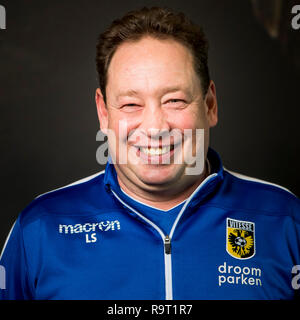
[211, 105]
[102, 111]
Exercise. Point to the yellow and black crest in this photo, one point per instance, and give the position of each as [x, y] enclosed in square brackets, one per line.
[240, 238]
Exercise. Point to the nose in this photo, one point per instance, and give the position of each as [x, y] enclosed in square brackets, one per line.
[154, 120]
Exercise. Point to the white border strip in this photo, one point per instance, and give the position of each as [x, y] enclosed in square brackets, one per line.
[6, 241]
[243, 177]
[188, 201]
[168, 276]
[140, 215]
[74, 183]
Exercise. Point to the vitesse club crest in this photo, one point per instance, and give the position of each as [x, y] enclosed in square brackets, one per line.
[240, 239]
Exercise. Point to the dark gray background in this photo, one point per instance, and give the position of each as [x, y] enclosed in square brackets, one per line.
[48, 78]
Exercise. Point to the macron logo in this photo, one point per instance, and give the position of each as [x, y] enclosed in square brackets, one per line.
[90, 227]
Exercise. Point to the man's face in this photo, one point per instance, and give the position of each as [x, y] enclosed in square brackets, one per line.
[152, 90]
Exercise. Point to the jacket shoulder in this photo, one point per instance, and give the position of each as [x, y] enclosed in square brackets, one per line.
[259, 183]
[259, 196]
[76, 198]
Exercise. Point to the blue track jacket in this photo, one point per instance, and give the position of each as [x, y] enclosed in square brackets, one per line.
[234, 238]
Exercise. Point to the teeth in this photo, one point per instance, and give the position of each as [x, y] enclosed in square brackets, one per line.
[155, 151]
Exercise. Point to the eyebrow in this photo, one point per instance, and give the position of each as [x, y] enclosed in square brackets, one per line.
[132, 93]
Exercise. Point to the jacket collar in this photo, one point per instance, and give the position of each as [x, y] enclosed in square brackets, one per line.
[207, 187]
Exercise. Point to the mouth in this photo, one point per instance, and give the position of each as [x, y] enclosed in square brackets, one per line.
[150, 151]
[156, 155]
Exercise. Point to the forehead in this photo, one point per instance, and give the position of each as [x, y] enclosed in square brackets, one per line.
[150, 64]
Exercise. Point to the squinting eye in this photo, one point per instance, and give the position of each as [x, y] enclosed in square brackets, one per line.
[130, 107]
[175, 101]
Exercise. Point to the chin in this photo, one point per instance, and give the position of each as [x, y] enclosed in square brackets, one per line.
[160, 175]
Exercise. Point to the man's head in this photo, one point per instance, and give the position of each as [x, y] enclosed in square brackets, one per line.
[158, 23]
[154, 78]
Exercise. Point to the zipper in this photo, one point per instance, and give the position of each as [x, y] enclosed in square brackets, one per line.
[167, 248]
[167, 238]
[167, 244]
[168, 268]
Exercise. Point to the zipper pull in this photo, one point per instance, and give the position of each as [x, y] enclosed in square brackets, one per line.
[167, 243]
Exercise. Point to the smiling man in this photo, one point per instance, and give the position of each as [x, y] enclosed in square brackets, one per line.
[152, 95]
[164, 220]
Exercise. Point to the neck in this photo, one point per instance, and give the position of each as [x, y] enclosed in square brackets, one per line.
[163, 199]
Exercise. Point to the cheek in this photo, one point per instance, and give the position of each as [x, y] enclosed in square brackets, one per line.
[120, 126]
[189, 120]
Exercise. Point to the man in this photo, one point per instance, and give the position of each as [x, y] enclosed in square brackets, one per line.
[164, 220]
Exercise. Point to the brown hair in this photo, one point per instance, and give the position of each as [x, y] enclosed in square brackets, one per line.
[160, 23]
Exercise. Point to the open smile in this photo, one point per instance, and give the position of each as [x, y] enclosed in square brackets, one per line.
[150, 151]
[156, 155]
